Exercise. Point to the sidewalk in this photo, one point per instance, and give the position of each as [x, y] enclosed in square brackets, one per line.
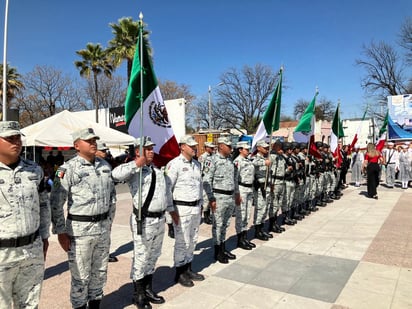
[354, 253]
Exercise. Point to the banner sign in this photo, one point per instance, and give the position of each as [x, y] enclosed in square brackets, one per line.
[400, 116]
[116, 119]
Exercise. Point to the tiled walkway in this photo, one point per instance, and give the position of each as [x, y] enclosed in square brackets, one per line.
[354, 253]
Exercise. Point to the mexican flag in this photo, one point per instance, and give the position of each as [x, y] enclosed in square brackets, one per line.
[382, 134]
[143, 95]
[355, 138]
[306, 126]
[336, 134]
[271, 117]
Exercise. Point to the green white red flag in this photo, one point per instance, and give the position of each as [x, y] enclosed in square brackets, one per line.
[143, 93]
[382, 134]
[306, 126]
[271, 117]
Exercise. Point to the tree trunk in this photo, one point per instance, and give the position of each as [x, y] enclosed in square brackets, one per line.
[96, 97]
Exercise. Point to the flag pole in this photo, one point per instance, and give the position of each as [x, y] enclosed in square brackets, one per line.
[6, 14]
[278, 89]
[314, 108]
[140, 51]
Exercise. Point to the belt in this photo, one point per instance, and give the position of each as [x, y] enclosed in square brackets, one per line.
[249, 185]
[279, 177]
[19, 241]
[225, 192]
[391, 163]
[184, 203]
[95, 218]
[150, 214]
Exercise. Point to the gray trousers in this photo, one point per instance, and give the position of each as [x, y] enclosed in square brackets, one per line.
[390, 174]
[221, 217]
[21, 275]
[243, 211]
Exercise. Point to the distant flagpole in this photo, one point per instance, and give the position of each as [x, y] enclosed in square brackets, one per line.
[6, 14]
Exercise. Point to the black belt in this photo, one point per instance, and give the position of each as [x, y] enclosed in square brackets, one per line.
[95, 218]
[225, 192]
[279, 177]
[19, 241]
[391, 163]
[248, 185]
[184, 203]
[150, 214]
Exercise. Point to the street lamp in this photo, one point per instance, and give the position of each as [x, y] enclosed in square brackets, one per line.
[210, 104]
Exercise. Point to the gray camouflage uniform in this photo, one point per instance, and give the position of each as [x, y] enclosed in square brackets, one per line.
[263, 194]
[184, 179]
[148, 246]
[202, 159]
[220, 183]
[246, 172]
[90, 192]
[278, 169]
[23, 211]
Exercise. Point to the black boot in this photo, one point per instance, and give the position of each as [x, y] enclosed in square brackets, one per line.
[150, 294]
[320, 202]
[229, 255]
[295, 215]
[82, 307]
[268, 235]
[273, 227]
[251, 244]
[332, 195]
[94, 304]
[280, 221]
[312, 205]
[288, 220]
[241, 243]
[182, 276]
[193, 275]
[206, 217]
[171, 232]
[220, 256]
[326, 198]
[139, 296]
[259, 234]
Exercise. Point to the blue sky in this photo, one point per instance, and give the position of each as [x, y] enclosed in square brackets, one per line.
[194, 41]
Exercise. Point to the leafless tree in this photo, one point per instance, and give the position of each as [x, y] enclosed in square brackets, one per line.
[324, 109]
[406, 39]
[112, 91]
[241, 99]
[47, 91]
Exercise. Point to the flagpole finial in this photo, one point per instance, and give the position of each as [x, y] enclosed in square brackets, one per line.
[141, 16]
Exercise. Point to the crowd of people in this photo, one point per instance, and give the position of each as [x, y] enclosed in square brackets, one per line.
[280, 184]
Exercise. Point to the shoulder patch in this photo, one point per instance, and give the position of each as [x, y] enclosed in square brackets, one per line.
[60, 172]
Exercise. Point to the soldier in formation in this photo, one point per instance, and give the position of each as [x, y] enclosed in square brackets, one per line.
[222, 188]
[24, 223]
[147, 219]
[246, 172]
[209, 151]
[85, 182]
[184, 179]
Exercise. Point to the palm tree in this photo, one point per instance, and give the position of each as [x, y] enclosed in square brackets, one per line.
[95, 61]
[123, 45]
[14, 82]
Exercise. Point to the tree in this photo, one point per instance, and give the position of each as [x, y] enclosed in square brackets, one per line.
[95, 61]
[324, 109]
[47, 92]
[384, 74]
[112, 91]
[242, 98]
[14, 83]
[406, 39]
[123, 45]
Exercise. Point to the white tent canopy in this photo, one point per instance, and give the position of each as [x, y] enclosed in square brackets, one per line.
[56, 131]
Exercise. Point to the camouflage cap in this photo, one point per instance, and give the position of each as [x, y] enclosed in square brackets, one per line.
[224, 140]
[101, 146]
[244, 145]
[188, 140]
[9, 128]
[211, 145]
[147, 141]
[84, 134]
[262, 143]
[286, 146]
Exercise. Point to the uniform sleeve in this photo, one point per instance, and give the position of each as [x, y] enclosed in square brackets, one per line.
[113, 201]
[44, 210]
[171, 178]
[58, 197]
[209, 171]
[125, 171]
[236, 176]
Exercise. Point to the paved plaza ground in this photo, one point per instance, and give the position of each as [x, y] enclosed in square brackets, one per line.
[354, 253]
